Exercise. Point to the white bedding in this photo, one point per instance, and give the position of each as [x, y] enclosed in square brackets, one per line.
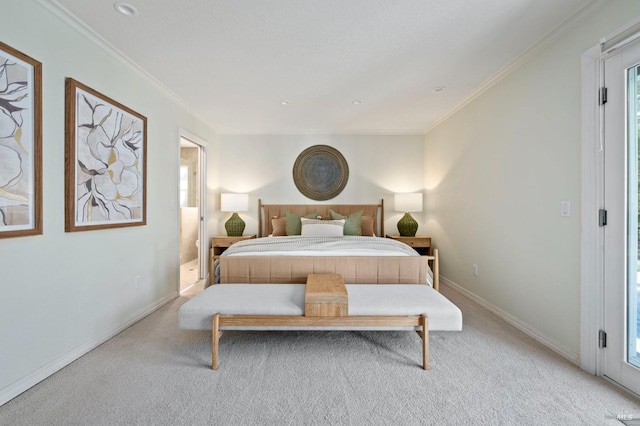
[299, 245]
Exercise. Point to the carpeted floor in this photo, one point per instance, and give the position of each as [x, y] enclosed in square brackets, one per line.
[488, 374]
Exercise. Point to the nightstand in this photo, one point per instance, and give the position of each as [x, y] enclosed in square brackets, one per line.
[219, 244]
[421, 244]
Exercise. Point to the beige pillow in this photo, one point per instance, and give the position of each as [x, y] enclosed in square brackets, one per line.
[367, 226]
[279, 225]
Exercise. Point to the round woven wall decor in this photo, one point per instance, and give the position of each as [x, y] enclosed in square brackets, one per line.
[320, 172]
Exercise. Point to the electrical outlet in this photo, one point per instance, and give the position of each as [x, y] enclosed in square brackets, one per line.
[137, 280]
[475, 270]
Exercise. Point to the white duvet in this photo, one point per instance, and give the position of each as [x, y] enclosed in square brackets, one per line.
[320, 246]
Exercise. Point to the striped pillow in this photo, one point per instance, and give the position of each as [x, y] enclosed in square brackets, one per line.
[322, 228]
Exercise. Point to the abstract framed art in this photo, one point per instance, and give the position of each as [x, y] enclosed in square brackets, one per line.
[20, 144]
[105, 162]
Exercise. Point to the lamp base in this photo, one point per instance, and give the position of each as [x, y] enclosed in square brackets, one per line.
[234, 226]
[407, 226]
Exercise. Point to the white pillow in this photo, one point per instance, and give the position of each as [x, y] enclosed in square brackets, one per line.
[322, 228]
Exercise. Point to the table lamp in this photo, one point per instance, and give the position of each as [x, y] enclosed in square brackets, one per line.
[412, 202]
[234, 203]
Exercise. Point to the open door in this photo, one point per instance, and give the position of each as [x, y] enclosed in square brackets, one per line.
[620, 341]
[193, 242]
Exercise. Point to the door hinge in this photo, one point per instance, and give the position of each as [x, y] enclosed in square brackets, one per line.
[602, 339]
[602, 217]
[602, 95]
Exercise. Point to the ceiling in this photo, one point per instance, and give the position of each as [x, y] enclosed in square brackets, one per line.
[234, 62]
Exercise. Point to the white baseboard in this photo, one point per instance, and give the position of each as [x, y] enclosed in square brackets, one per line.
[517, 323]
[35, 377]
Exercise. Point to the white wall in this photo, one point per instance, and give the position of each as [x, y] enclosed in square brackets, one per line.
[262, 165]
[63, 293]
[496, 172]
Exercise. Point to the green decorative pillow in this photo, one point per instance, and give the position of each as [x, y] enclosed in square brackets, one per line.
[293, 225]
[353, 223]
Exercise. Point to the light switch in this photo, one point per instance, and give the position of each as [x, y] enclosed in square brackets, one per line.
[565, 208]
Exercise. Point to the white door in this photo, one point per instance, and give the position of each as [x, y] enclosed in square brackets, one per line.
[192, 196]
[621, 356]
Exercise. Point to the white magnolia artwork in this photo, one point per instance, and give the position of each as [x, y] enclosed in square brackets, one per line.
[20, 144]
[106, 162]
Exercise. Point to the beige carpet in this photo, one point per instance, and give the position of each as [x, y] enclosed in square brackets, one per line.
[488, 374]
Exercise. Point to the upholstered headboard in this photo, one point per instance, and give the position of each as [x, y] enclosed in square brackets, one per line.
[268, 211]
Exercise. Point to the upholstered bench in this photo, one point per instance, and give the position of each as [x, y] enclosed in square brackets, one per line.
[281, 307]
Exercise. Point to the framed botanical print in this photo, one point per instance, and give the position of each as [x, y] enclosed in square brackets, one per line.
[105, 161]
[20, 144]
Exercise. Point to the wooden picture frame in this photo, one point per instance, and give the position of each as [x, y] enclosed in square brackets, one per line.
[20, 144]
[105, 162]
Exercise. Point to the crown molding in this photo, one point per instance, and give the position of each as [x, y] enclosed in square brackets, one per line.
[74, 22]
[320, 132]
[551, 37]
[67, 16]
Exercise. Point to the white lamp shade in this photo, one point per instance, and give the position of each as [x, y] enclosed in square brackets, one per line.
[411, 202]
[234, 202]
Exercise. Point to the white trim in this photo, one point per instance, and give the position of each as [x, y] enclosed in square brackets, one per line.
[67, 16]
[192, 137]
[591, 262]
[203, 249]
[522, 59]
[203, 235]
[318, 132]
[592, 241]
[622, 42]
[517, 323]
[36, 376]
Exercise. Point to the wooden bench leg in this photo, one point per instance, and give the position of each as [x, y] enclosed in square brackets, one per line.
[216, 333]
[424, 323]
[215, 338]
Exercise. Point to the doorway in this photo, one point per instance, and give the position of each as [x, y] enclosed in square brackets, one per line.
[620, 340]
[191, 204]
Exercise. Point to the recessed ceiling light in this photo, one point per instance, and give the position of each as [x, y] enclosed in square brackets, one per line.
[357, 102]
[439, 89]
[285, 102]
[125, 8]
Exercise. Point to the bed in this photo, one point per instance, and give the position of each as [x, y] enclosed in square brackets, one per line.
[277, 256]
[322, 279]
